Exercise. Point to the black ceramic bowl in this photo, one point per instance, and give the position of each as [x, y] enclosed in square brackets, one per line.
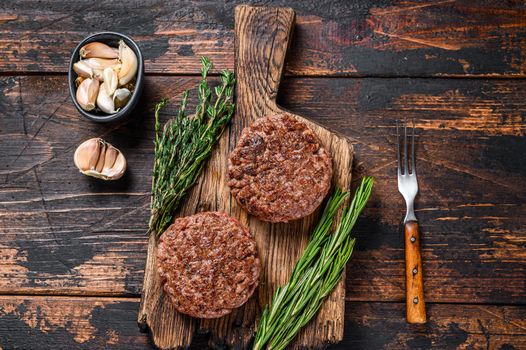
[111, 39]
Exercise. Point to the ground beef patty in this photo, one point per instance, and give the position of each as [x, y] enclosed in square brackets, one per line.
[208, 263]
[279, 171]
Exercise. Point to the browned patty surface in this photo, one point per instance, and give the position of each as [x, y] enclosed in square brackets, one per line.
[208, 263]
[279, 171]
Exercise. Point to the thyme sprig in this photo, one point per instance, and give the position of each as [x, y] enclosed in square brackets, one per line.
[316, 273]
[185, 143]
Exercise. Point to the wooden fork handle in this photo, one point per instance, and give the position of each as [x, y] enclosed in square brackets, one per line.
[415, 304]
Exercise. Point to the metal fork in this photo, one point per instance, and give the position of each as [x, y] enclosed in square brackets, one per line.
[408, 187]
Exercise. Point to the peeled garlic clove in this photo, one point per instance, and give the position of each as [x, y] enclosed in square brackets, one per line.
[129, 63]
[121, 97]
[104, 101]
[110, 80]
[98, 50]
[101, 63]
[87, 93]
[95, 157]
[83, 69]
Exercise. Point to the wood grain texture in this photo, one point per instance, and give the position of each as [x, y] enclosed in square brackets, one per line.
[471, 201]
[414, 286]
[62, 233]
[262, 38]
[66, 323]
[369, 37]
[469, 206]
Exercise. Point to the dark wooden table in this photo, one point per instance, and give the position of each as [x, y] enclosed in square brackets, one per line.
[72, 249]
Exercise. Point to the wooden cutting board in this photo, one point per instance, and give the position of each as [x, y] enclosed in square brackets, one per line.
[262, 35]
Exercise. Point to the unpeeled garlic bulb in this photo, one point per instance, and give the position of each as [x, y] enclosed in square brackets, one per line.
[95, 157]
[87, 93]
[104, 100]
[98, 50]
[128, 60]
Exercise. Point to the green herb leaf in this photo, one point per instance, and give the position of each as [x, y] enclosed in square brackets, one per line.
[316, 273]
[185, 143]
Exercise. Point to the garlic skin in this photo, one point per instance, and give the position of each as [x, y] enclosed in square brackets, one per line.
[121, 97]
[79, 80]
[87, 154]
[98, 50]
[117, 169]
[99, 75]
[87, 93]
[83, 69]
[130, 86]
[110, 80]
[104, 101]
[97, 158]
[128, 68]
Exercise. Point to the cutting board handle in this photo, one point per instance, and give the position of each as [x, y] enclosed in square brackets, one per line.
[262, 36]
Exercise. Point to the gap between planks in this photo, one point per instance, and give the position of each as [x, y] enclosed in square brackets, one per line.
[137, 298]
[306, 76]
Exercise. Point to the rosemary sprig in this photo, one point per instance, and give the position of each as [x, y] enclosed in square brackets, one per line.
[185, 143]
[316, 273]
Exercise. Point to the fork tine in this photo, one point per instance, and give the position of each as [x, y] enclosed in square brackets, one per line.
[406, 168]
[398, 149]
[413, 164]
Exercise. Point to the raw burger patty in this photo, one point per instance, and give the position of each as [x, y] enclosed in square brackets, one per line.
[208, 263]
[279, 171]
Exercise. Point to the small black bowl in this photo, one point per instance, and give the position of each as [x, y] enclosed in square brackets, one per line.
[111, 39]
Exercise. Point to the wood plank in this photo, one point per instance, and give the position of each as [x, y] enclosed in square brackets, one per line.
[110, 323]
[70, 323]
[386, 38]
[262, 39]
[449, 326]
[471, 192]
[65, 233]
